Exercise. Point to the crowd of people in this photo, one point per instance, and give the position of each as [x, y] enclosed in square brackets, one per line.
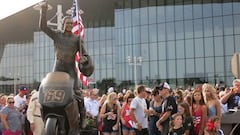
[20, 114]
[165, 111]
[143, 111]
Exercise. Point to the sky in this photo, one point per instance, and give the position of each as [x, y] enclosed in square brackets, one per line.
[10, 7]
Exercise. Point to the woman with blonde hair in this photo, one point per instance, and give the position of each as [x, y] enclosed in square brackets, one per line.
[110, 113]
[211, 100]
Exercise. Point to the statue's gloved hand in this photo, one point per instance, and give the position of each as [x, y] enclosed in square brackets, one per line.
[85, 65]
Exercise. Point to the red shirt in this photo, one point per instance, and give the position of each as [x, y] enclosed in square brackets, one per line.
[197, 119]
[126, 115]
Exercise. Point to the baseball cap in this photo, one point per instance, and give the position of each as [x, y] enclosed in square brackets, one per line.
[148, 90]
[110, 90]
[23, 88]
[163, 85]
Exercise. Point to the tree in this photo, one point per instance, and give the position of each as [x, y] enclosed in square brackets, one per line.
[105, 84]
[125, 84]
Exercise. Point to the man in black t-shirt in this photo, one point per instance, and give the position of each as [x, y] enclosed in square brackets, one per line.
[169, 107]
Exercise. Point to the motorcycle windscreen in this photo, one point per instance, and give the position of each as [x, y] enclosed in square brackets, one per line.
[56, 92]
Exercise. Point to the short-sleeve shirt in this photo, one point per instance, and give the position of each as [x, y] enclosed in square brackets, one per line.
[233, 101]
[19, 101]
[91, 106]
[139, 104]
[13, 118]
[179, 131]
[169, 104]
[188, 123]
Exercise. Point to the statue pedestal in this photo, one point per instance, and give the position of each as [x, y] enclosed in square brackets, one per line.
[228, 120]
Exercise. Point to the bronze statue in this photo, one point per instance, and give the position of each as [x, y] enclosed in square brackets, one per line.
[66, 45]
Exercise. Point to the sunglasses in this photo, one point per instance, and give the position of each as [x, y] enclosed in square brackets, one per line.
[11, 102]
[177, 97]
[160, 88]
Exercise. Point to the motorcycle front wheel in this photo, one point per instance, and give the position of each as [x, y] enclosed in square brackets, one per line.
[52, 127]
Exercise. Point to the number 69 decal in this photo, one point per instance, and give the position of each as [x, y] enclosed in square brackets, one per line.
[54, 96]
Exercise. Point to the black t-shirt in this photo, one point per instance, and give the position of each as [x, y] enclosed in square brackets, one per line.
[179, 131]
[233, 101]
[188, 124]
[169, 104]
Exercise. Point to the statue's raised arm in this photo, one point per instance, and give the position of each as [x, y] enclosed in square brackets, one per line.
[43, 21]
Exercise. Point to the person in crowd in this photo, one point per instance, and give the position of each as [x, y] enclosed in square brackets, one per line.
[27, 128]
[213, 126]
[20, 102]
[210, 98]
[188, 99]
[155, 111]
[199, 112]
[120, 95]
[85, 94]
[92, 109]
[148, 97]
[11, 118]
[101, 102]
[3, 101]
[120, 98]
[125, 117]
[176, 127]
[128, 92]
[20, 98]
[223, 106]
[92, 105]
[232, 98]
[110, 113]
[169, 107]
[139, 112]
[184, 110]
[178, 95]
[34, 114]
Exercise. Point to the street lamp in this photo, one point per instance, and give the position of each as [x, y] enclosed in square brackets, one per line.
[135, 61]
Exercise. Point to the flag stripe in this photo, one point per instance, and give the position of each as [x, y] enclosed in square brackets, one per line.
[78, 27]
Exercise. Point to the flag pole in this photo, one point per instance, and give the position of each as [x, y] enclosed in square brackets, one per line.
[79, 30]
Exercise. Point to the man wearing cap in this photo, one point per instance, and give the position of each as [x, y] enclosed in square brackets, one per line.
[169, 107]
[20, 98]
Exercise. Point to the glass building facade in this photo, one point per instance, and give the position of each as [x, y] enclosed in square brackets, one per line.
[183, 42]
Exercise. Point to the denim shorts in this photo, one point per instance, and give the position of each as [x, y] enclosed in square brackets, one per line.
[127, 128]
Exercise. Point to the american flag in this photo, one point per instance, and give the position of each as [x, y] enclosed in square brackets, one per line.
[78, 27]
